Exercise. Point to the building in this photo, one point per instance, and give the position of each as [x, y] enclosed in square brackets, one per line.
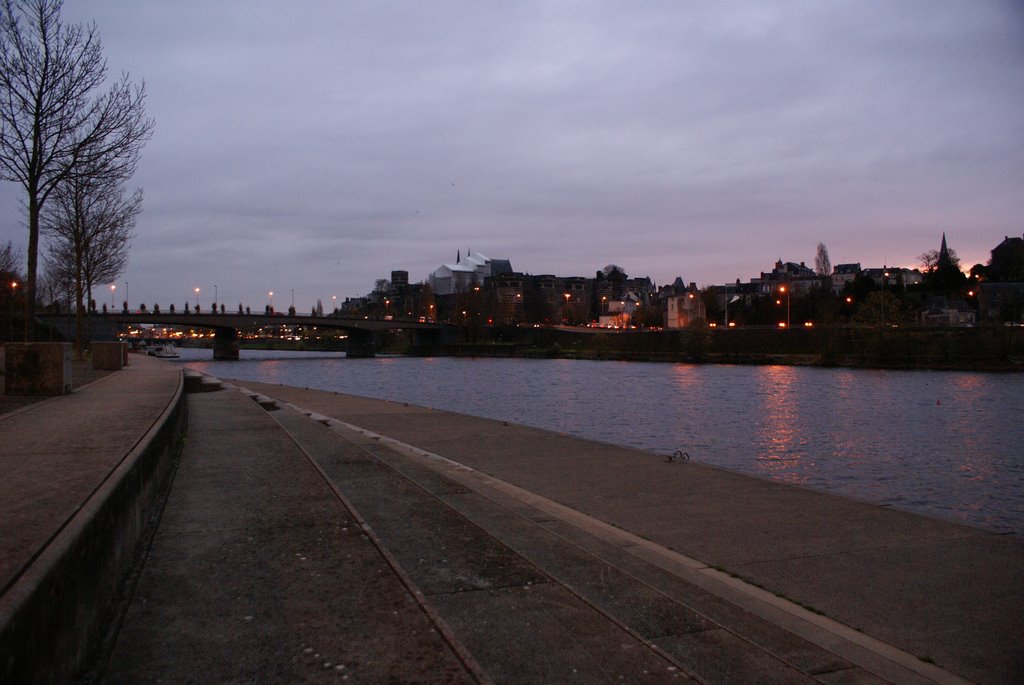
[940, 312]
[509, 290]
[842, 275]
[684, 308]
[466, 273]
[798, 277]
[1007, 262]
[621, 311]
[888, 276]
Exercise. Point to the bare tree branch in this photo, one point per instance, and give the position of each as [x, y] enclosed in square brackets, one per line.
[52, 126]
[90, 221]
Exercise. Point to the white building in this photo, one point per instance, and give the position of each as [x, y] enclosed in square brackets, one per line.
[463, 274]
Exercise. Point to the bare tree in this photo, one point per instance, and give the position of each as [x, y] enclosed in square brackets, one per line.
[51, 124]
[10, 281]
[822, 264]
[931, 260]
[90, 220]
[59, 271]
[10, 258]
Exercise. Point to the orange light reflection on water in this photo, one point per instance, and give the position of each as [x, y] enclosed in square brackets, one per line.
[778, 440]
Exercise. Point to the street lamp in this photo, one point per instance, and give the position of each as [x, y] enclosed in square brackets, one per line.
[215, 297]
[197, 300]
[14, 286]
[334, 303]
[785, 291]
[271, 296]
[113, 287]
[885, 282]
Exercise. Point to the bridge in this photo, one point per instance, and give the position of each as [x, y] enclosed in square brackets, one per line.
[361, 331]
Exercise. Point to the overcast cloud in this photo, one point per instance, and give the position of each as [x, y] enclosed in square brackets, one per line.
[315, 146]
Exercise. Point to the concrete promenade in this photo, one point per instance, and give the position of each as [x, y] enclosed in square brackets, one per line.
[316, 537]
[81, 473]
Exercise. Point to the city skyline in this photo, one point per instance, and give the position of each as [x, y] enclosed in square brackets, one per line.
[318, 148]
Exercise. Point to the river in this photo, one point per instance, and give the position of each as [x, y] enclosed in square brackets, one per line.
[946, 444]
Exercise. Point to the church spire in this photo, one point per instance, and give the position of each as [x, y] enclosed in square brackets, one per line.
[944, 252]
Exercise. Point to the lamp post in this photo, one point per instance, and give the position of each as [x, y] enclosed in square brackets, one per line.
[113, 287]
[334, 304]
[10, 320]
[785, 291]
[197, 301]
[567, 296]
[215, 297]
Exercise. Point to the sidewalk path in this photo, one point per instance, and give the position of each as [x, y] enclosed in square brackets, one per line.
[80, 475]
[55, 453]
[258, 573]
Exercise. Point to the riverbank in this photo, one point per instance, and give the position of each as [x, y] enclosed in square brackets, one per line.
[947, 349]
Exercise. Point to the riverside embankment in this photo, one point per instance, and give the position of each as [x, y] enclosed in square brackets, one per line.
[313, 536]
[987, 348]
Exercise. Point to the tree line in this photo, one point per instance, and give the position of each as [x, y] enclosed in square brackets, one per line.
[72, 143]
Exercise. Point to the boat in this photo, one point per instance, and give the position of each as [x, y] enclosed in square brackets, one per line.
[168, 351]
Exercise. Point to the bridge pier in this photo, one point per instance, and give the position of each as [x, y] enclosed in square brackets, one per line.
[225, 343]
[360, 344]
[426, 342]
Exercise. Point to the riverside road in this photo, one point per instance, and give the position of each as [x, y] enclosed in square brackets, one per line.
[316, 537]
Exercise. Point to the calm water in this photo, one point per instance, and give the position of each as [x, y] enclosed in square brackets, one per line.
[947, 444]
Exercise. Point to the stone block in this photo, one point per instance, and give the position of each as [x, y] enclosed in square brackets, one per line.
[37, 369]
[108, 356]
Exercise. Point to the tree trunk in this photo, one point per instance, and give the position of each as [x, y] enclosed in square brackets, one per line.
[79, 314]
[33, 258]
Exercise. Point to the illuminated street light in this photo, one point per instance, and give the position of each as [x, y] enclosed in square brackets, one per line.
[10, 319]
[113, 287]
[197, 299]
[784, 290]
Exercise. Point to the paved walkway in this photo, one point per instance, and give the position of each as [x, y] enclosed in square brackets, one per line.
[319, 537]
[55, 453]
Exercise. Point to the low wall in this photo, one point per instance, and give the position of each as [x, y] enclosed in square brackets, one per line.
[109, 356]
[52, 618]
[37, 368]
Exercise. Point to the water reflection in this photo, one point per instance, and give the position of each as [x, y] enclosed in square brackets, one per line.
[777, 452]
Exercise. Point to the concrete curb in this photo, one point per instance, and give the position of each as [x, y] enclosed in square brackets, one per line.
[50, 617]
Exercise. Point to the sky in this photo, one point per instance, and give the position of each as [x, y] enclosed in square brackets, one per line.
[312, 147]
